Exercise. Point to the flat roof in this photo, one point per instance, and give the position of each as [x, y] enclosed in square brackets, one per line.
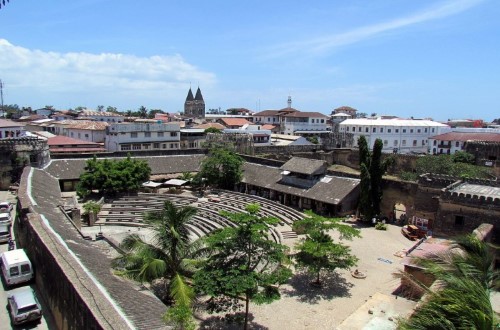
[476, 189]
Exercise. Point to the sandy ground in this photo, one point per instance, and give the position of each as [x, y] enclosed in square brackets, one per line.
[306, 307]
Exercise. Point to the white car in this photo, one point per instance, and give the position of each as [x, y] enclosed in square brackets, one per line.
[23, 305]
[5, 206]
[5, 218]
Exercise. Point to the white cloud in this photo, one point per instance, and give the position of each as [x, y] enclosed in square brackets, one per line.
[329, 42]
[84, 73]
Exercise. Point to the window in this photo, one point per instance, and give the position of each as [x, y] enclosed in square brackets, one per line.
[459, 221]
[414, 143]
[136, 147]
[359, 129]
[133, 134]
[71, 134]
[173, 133]
[354, 129]
[404, 130]
[14, 271]
[419, 130]
[423, 142]
[411, 130]
[425, 130]
[433, 130]
[156, 145]
[389, 130]
[435, 142]
[457, 144]
[145, 146]
[347, 128]
[395, 143]
[381, 130]
[374, 130]
[160, 134]
[322, 121]
[397, 130]
[147, 134]
[25, 269]
[403, 142]
[386, 143]
[125, 147]
[164, 146]
[79, 135]
[86, 135]
[366, 129]
[171, 146]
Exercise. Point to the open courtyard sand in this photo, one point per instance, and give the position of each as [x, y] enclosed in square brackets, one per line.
[343, 297]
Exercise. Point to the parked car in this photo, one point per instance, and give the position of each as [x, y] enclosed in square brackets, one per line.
[5, 218]
[4, 232]
[23, 305]
[5, 206]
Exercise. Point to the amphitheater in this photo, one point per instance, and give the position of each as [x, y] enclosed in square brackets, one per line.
[74, 273]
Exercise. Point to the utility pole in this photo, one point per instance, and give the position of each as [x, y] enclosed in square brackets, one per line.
[1, 96]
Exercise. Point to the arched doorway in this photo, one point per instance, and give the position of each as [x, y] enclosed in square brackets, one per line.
[399, 214]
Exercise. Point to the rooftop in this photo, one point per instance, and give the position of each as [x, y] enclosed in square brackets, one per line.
[476, 189]
[393, 122]
[235, 121]
[305, 166]
[463, 136]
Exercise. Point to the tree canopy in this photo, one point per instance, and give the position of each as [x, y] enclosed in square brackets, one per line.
[244, 265]
[111, 177]
[222, 168]
[318, 252]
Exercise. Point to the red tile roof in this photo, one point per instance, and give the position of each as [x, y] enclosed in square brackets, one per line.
[268, 126]
[60, 140]
[208, 125]
[10, 123]
[462, 136]
[266, 113]
[235, 121]
[305, 114]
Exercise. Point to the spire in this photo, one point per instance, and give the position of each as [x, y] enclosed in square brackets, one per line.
[198, 96]
[289, 101]
[190, 95]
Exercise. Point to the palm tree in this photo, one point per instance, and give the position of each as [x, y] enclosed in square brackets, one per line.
[461, 299]
[170, 254]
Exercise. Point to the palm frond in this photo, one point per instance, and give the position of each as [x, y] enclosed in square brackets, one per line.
[181, 291]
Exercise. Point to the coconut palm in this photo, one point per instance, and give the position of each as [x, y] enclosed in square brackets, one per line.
[170, 254]
[461, 296]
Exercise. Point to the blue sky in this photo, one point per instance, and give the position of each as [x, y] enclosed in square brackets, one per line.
[438, 59]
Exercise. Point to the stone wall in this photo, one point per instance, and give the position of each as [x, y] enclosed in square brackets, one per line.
[73, 298]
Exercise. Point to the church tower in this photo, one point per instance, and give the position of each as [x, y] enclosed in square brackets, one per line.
[194, 106]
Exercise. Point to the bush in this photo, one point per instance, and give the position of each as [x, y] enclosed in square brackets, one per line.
[408, 176]
[381, 226]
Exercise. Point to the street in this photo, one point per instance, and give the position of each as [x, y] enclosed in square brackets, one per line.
[5, 321]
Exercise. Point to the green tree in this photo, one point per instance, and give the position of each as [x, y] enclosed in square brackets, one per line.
[111, 177]
[222, 168]
[92, 207]
[462, 301]
[100, 108]
[463, 157]
[143, 112]
[245, 265]
[212, 130]
[111, 109]
[318, 252]
[170, 254]
[377, 170]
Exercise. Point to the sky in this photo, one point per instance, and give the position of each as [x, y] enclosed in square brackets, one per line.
[426, 58]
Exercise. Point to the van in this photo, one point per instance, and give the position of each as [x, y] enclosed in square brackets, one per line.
[16, 267]
[4, 232]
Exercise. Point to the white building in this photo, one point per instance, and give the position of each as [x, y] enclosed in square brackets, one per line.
[398, 135]
[451, 142]
[142, 137]
[260, 137]
[86, 130]
[10, 129]
[304, 122]
[110, 117]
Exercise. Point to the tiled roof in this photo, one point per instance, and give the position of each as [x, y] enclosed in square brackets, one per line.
[398, 122]
[288, 110]
[9, 123]
[208, 125]
[268, 126]
[461, 136]
[60, 140]
[331, 192]
[70, 169]
[266, 113]
[235, 121]
[89, 125]
[305, 166]
[345, 108]
[88, 113]
[305, 115]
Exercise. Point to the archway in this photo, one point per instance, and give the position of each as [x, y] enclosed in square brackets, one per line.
[399, 213]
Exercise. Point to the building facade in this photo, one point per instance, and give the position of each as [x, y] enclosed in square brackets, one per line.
[109, 117]
[142, 137]
[398, 135]
[451, 142]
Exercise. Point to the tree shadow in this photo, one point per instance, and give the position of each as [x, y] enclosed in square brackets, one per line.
[229, 322]
[333, 285]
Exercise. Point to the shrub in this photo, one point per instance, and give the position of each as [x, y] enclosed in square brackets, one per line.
[381, 226]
